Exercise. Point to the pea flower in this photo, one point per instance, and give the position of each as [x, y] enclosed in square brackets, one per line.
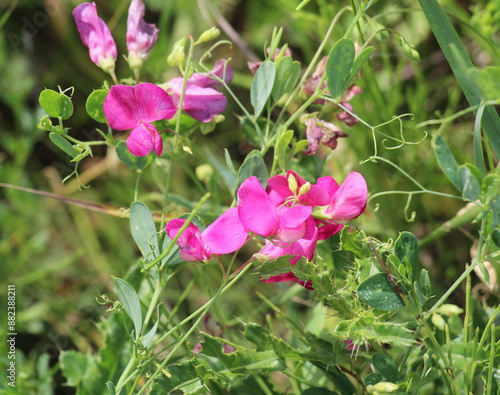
[349, 200]
[201, 101]
[135, 107]
[96, 36]
[318, 130]
[224, 236]
[141, 36]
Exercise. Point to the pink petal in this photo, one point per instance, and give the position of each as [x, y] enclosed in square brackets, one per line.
[125, 106]
[225, 235]
[350, 199]
[327, 230]
[143, 139]
[277, 189]
[190, 246]
[94, 33]
[141, 36]
[347, 118]
[201, 104]
[257, 212]
[293, 225]
[204, 81]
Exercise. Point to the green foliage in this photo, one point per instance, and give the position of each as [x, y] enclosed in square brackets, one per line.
[94, 105]
[56, 105]
[131, 304]
[262, 86]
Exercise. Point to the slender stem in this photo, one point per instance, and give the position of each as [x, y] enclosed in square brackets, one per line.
[154, 300]
[165, 197]
[122, 380]
[136, 190]
[466, 330]
[492, 361]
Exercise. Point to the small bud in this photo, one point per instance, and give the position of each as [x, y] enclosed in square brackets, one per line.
[438, 321]
[45, 123]
[304, 188]
[208, 35]
[107, 64]
[450, 310]
[292, 184]
[135, 62]
[204, 173]
[219, 118]
[177, 55]
[382, 387]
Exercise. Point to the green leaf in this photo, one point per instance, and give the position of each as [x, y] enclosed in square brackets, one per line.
[274, 267]
[406, 249]
[226, 174]
[173, 258]
[56, 104]
[250, 131]
[470, 180]
[496, 237]
[460, 63]
[111, 388]
[446, 160]
[360, 61]
[143, 228]
[281, 148]
[425, 283]
[253, 165]
[63, 144]
[262, 86]
[287, 75]
[318, 391]
[183, 376]
[477, 142]
[386, 367]
[339, 66]
[148, 337]
[130, 301]
[349, 241]
[372, 378]
[132, 161]
[94, 105]
[299, 146]
[377, 291]
[82, 371]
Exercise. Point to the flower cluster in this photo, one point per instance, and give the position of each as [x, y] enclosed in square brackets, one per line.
[291, 214]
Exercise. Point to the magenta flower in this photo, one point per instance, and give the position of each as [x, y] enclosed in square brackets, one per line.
[258, 214]
[348, 201]
[201, 101]
[135, 107]
[141, 36]
[95, 35]
[223, 236]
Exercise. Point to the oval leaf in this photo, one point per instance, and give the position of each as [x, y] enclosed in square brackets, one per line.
[287, 75]
[143, 228]
[470, 181]
[377, 291]
[130, 301]
[339, 66]
[253, 166]
[56, 104]
[262, 86]
[386, 367]
[94, 105]
[446, 160]
[132, 161]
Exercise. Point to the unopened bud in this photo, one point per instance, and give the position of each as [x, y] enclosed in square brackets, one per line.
[134, 61]
[107, 64]
[204, 172]
[450, 310]
[292, 183]
[382, 387]
[208, 35]
[177, 55]
[304, 188]
[218, 118]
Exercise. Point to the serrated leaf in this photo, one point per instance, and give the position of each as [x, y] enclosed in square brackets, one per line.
[63, 144]
[56, 104]
[339, 66]
[350, 242]
[183, 376]
[253, 165]
[406, 249]
[131, 304]
[94, 105]
[377, 291]
[262, 86]
[385, 367]
[287, 75]
[446, 160]
[143, 228]
[132, 161]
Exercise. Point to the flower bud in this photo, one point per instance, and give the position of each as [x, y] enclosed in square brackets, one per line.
[292, 184]
[177, 55]
[204, 173]
[304, 188]
[382, 388]
[208, 35]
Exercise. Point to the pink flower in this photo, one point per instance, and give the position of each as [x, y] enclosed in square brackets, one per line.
[258, 214]
[95, 35]
[201, 101]
[141, 36]
[349, 201]
[135, 107]
[318, 130]
[344, 116]
[223, 236]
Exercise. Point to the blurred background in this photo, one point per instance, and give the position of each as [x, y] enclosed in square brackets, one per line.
[61, 256]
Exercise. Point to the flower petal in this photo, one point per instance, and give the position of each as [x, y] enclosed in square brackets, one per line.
[125, 106]
[141, 36]
[292, 222]
[204, 81]
[225, 235]
[94, 33]
[143, 139]
[190, 246]
[257, 212]
[350, 199]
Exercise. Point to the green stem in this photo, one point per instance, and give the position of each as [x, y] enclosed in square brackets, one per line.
[136, 190]
[154, 301]
[466, 330]
[123, 378]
